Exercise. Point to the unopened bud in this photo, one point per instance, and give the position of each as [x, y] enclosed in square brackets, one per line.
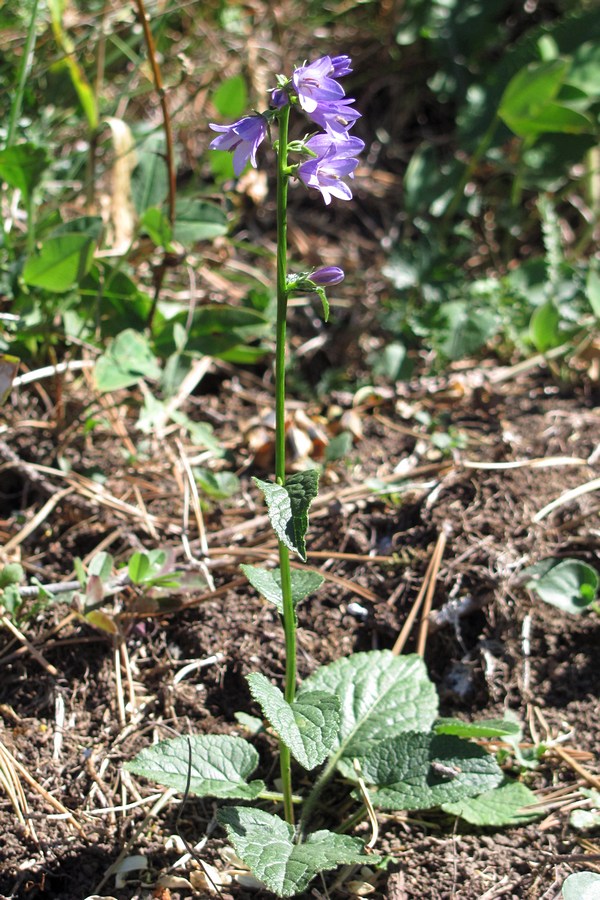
[327, 275]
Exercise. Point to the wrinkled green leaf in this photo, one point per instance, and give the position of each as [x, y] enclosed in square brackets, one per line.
[61, 263]
[504, 805]
[220, 765]
[308, 727]
[218, 485]
[423, 770]
[268, 583]
[569, 584]
[128, 359]
[484, 728]
[593, 291]
[463, 328]
[149, 180]
[381, 695]
[288, 507]
[265, 843]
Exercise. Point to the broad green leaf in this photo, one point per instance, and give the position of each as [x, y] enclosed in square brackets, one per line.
[504, 805]
[156, 225]
[61, 263]
[128, 359]
[11, 573]
[91, 226]
[197, 220]
[422, 770]
[22, 166]
[8, 369]
[553, 118]
[138, 567]
[268, 583]
[288, 507]
[101, 564]
[544, 327]
[484, 728]
[381, 695]
[308, 727]
[149, 180]
[231, 97]
[529, 91]
[582, 886]
[570, 585]
[265, 843]
[219, 766]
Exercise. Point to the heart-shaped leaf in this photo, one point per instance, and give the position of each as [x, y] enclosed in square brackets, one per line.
[268, 583]
[504, 805]
[288, 507]
[423, 770]
[309, 726]
[265, 843]
[381, 695]
[218, 765]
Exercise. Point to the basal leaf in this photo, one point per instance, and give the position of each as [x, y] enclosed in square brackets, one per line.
[288, 507]
[220, 765]
[198, 220]
[504, 805]
[381, 695]
[268, 583]
[61, 263]
[231, 97]
[484, 728]
[265, 843]
[423, 770]
[149, 181]
[308, 727]
[128, 359]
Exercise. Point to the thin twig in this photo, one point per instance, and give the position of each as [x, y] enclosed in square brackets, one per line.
[436, 561]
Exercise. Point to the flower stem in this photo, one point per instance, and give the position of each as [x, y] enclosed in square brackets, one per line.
[289, 617]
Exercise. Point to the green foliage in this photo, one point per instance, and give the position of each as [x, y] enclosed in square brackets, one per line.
[217, 765]
[420, 770]
[288, 507]
[381, 696]
[308, 726]
[265, 843]
[503, 806]
[268, 583]
[569, 584]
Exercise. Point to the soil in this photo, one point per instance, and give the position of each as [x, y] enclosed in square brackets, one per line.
[77, 702]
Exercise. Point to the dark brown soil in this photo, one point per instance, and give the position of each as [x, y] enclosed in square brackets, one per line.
[480, 662]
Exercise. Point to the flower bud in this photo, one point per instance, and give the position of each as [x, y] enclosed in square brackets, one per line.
[327, 275]
[279, 98]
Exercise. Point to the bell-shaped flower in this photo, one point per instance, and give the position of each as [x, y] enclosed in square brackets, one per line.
[335, 116]
[243, 138]
[314, 85]
[325, 174]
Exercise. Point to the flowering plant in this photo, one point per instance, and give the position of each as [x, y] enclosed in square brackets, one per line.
[369, 717]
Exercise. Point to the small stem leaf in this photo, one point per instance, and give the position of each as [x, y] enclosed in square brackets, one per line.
[220, 765]
[264, 842]
[484, 728]
[308, 726]
[504, 805]
[268, 583]
[288, 507]
[381, 695]
[422, 770]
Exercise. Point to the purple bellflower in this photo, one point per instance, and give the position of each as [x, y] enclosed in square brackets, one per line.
[243, 137]
[335, 116]
[325, 174]
[327, 275]
[340, 65]
[314, 85]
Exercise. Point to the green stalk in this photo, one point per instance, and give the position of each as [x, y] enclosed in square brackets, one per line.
[289, 618]
[24, 69]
